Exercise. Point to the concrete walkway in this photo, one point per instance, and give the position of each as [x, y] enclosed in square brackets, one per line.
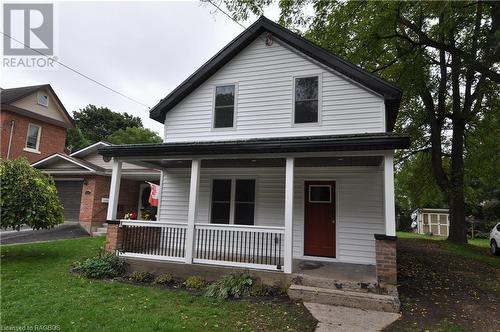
[336, 318]
[64, 231]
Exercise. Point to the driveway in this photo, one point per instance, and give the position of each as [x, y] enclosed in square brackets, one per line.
[64, 231]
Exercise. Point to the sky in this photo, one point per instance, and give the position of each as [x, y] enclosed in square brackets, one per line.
[142, 49]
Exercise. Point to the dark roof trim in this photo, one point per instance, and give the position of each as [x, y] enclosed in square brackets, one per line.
[8, 96]
[392, 94]
[266, 145]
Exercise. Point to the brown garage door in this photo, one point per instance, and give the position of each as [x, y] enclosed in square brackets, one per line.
[70, 193]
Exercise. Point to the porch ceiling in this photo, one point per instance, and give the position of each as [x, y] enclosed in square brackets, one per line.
[274, 162]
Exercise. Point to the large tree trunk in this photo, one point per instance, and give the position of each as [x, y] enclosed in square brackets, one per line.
[458, 228]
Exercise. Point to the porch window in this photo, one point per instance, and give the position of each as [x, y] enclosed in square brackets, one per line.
[224, 106]
[306, 100]
[221, 201]
[233, 201]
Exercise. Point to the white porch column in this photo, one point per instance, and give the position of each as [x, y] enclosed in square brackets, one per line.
[389, 205]
[114, 189]
[288, 214]
[193, 206]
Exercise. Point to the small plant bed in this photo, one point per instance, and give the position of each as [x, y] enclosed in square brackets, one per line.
[38, 290]
[232, 286]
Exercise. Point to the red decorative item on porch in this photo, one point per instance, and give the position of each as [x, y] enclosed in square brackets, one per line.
[153, 196]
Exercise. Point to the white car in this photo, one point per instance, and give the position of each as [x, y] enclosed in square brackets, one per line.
[495, 240]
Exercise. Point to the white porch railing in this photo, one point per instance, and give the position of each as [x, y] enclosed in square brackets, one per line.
[153, 239]
[236, 245]
[260, 247]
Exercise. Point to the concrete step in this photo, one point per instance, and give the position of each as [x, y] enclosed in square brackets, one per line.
[98, 233]
[345, 298]
[367, 285]
[102, 229]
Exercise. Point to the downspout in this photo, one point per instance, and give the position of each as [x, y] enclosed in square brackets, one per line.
[12, 122]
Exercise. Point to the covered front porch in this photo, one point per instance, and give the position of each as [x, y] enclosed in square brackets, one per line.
[360, 205]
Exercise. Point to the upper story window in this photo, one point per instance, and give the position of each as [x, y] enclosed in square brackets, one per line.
[306, 99]
[42, 99]
[33, 137]
[224, 106]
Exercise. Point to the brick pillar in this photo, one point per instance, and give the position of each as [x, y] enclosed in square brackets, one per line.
[385, 248]
[114, 236]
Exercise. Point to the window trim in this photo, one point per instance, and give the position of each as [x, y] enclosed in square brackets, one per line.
[320, 97]
[235, 108]
[232, 204]
[37, 100]
[37, 149]
[320, 202]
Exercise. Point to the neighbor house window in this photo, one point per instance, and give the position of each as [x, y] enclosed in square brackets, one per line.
[229, 208]
[224, 106]
[42, 99]
[306, 99]
[33, 137]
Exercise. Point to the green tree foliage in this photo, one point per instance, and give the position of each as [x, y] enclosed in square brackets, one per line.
[29, 197]
[75, 140]
[97, 123]
[444, 55]
[134, 135]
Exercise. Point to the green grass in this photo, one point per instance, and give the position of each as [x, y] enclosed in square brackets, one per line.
[477, 249]
[38, 289]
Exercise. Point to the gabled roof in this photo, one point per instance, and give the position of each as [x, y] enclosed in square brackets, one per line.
[8, 96]
[391, 94]
[59, 156]
[89, 149]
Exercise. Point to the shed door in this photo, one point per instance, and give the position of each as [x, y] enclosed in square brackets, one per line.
[319, 218]
[70, 194]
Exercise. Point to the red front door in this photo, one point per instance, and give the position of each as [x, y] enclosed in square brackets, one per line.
[319, 218]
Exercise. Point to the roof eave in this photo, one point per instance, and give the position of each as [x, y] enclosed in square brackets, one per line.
[285, 145]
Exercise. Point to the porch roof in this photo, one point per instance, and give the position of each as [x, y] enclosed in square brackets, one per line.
[358, 142]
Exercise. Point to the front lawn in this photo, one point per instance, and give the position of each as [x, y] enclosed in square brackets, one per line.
[445, 286]
[38, 289]
[477, 249]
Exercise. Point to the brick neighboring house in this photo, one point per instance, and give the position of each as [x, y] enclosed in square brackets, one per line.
[83, 181]
[33, 123]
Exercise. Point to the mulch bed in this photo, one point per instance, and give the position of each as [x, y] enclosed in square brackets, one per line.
[440, 290]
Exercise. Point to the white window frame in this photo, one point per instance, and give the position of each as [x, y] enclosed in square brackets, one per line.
[38, 100]
[37, 149]
[320, 185]
[232, 202]
[235, 108]
[320, 97]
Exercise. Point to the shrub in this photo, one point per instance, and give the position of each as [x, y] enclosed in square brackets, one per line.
[282, 287]
[259, 289]
[105, 265]
[141, 276]
[195, 282]
[29, 197]
[482, 235]
[230, 286]
[164, 279]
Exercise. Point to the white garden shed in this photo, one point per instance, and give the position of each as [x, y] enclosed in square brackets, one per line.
[435, 221]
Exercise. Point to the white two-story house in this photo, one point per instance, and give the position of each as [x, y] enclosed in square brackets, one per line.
[276, 152]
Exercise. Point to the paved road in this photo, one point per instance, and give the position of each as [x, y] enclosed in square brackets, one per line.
[64, 231]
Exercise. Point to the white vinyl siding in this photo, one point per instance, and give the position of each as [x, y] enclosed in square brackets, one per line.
[359, 203]
[264, 100]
